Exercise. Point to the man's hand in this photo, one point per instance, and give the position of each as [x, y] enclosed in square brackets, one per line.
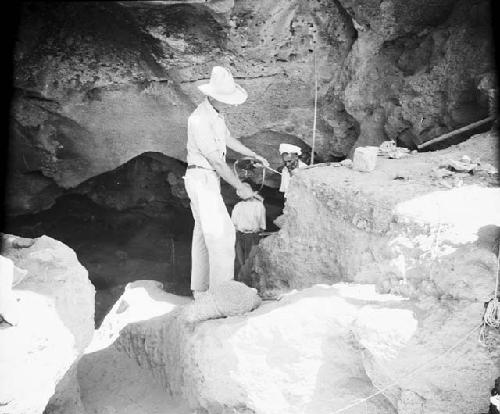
[237, 146]
[262, 160]
[245, 191]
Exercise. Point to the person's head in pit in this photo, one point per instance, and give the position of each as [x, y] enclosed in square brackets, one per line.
[290, 154]
[290, 160]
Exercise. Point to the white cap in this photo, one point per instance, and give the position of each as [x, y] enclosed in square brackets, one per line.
[292, 149]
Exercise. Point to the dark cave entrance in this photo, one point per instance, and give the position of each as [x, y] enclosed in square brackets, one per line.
[130, 224]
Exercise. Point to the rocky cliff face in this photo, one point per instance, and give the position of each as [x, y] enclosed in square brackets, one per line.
[100, 83]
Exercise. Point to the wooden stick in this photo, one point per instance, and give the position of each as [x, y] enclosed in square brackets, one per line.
[315, 107]
[456, 132]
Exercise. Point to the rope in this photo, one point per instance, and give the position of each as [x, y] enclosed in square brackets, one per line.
[491, 318]
[256, 162]
[395, 383]
[315, 106]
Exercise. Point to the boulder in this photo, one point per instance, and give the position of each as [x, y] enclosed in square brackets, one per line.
[293, 356]
[365, 159]
[8, 304]
[317, 350]
[54, 302]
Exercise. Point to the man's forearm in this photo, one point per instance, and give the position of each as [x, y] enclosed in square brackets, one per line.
[237, 146]
[225, 172]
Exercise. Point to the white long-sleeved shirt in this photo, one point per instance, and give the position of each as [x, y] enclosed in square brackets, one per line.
[207, 132]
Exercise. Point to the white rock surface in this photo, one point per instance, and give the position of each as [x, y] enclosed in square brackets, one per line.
[431, 351]
[8, 304]
[113, 383]
[55, 302]
[314, 351]
[365, 158]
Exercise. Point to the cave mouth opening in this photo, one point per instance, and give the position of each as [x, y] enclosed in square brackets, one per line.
[131, 223]
[116, 247]
[127, 224]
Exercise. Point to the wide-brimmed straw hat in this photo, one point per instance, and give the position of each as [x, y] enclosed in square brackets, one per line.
[223, 87]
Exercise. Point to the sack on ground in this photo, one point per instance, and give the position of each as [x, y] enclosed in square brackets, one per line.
[229, 298]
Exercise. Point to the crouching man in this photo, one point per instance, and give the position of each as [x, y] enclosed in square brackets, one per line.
[213, 245]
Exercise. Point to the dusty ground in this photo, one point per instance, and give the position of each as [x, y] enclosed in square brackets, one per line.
[404, 178]
[112, 383]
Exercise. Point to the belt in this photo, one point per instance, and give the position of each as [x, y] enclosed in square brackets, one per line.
[189, 167]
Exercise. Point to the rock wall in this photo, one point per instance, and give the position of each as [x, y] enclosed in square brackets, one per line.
[100, 83]
[52, 309]
[399, 226]
[402, 228]
[416, 68]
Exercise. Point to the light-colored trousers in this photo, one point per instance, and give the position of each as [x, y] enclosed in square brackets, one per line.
[212, 250]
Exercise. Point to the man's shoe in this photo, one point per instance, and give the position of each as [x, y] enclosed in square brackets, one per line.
[197, 294]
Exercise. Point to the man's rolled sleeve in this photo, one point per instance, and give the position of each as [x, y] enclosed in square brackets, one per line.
[202, 136]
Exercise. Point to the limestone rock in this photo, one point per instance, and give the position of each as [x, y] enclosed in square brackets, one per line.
[110, 381]
[444, 345]
[314, 351]
[295, 355]
[392, 19]
[395, 233]
[55, 304]
[398, 65]
[365, 159]
[436, 248]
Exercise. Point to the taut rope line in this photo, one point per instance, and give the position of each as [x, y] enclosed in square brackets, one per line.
[392, 384]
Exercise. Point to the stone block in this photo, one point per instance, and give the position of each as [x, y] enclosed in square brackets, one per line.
[365, 158]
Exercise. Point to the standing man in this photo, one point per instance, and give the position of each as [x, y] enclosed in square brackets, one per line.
[212, 252]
